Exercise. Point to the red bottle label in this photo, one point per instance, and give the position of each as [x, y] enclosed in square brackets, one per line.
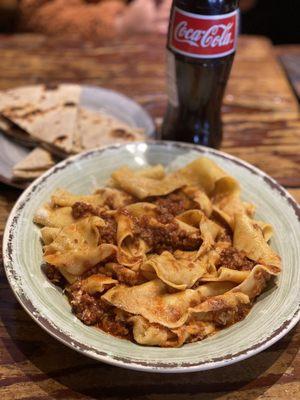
[203, 36]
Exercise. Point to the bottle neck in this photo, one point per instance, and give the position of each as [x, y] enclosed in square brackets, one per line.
[207, 7]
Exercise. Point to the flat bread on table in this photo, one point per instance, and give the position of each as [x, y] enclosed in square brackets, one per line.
[19, 175]
[52, 119]
[48, 114]
[99, 129]
[17, 134]
[33, 165]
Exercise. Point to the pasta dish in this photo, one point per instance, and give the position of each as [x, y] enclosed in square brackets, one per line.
[158, 258]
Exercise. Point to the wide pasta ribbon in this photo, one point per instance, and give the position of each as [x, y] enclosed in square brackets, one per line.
[114, 198]
[97, 283]
[63, 198]
[153, 301]
[249, 238]
[57, 217]
[143, 186]
[227, 275]
[220, 308]
[49, 234]
[200, 198]
[177, 273]
[226, 199]
[149, 334]
[75, 249]
[209, 230]
[254, 284]
[131, 248]
[202, 173]
[154, 172]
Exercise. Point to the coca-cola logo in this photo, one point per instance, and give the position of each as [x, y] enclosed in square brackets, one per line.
[215, 36]
[203, 36]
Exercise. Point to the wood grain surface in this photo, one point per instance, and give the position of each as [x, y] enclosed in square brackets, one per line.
[289, 56]
[261, 126]
[291, 63]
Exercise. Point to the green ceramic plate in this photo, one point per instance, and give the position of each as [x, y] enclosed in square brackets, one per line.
[273, 315]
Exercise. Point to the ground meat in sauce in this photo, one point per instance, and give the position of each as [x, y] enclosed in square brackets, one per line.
[234, 259]
[89, 309]
[108, 233]
[81, 210]
[166, 237]
[54, 275]
[110, 325]
[169, 206]
[93, 311]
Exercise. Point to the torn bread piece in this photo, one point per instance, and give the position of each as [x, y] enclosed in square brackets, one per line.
[17, 134]
[33, 165]
[48, 114]
[99, 129]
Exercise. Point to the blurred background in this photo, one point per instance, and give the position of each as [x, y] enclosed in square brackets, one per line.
[103, 19]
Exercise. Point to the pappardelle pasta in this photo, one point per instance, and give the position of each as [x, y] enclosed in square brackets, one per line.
[160, 259]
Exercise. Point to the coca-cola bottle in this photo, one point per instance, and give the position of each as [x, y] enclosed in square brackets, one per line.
[201, 45]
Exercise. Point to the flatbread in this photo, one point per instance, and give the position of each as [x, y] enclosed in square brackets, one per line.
[25, 102]
[56, 126]
[95, 130]
[17, 134]
[48, 114]
[33, 165]
[52, 118]
[20, 175]
[37, 159]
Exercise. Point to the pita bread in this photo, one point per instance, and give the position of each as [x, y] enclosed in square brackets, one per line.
[36, 160]
[95, 130]
[52, 118]
[56, 126]
[16, 133]
[33, 165]
[26, 101]
[48, 114]
[20, 175]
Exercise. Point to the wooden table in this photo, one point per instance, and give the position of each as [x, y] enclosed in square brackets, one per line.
[261, 126]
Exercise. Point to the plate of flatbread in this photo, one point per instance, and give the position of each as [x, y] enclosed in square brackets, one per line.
[42, 124]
